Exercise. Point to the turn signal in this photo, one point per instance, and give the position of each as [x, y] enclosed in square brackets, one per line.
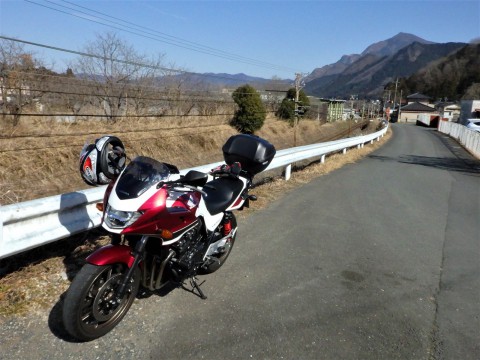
[99, 206]
[166, 234]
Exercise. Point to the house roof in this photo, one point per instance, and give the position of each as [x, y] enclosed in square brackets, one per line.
[447, 105]
[418, 96]
[417, 107]
[453, 107]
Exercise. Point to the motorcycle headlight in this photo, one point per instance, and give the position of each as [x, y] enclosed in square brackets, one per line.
[120, 219]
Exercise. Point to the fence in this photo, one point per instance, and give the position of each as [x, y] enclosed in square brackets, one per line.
[30, 224]
[470, 139]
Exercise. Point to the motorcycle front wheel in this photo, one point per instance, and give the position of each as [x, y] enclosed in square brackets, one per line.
[90, 309]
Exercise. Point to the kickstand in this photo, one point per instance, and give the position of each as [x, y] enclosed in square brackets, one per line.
[196, 286]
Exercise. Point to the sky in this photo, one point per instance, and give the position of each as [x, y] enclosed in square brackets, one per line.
[258, 38]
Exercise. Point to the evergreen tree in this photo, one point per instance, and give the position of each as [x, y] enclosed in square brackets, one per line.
[251, 114]
[286, 110]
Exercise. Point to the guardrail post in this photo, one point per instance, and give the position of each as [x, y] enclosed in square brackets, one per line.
[344, 151]
[322, 160]
[288, 172]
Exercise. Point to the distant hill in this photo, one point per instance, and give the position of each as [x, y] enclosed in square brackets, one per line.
[391, 46]
[333, 69]
[364, 75]
[453, 77]
[379, 64]
[226, 80]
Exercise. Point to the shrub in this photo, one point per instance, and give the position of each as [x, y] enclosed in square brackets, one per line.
[251, 113]
[286, 111]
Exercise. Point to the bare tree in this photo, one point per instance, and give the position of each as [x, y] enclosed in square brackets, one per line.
[119, 73]
[18, 69]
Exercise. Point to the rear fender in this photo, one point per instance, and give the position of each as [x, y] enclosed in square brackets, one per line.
[111, 254]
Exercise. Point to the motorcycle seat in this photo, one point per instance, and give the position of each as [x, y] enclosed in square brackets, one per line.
[221, 193]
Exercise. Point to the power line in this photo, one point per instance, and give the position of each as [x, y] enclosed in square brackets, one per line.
[155, 35]
[81, 82]
[143, 139]
[122, 116]
[25, 89]
[99, 132]
[133, 63]
[200, 47]
[92, 55]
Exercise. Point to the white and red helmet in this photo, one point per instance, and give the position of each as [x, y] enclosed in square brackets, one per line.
[102, 161]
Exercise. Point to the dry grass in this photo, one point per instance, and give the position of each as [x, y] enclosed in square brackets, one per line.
[40, 158]
[34, 281]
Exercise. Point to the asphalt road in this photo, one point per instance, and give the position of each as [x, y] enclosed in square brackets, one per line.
[377, 260]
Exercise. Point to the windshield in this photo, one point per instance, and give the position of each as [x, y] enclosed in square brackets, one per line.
[141, 174]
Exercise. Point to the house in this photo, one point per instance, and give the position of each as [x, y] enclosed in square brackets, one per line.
[416, 104]
[418, 98]
[335, 109]
[448, 111]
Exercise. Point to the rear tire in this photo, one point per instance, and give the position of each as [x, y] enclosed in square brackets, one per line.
[89, 311]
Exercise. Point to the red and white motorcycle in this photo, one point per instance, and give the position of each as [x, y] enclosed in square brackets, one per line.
[165, 228]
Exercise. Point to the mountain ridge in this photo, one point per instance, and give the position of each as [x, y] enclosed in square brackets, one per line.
[381, 62]
[365, 75]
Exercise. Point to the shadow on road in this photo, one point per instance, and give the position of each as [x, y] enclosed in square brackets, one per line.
[55, 322]
[450, 164]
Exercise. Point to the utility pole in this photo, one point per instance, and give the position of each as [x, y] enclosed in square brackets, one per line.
[298, 87]
[395, 95]
[399, 103]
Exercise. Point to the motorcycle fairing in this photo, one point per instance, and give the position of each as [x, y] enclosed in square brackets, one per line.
[211, 221]
[142, 175]
[157, 215]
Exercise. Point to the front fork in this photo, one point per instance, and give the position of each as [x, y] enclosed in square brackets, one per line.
[138, 256]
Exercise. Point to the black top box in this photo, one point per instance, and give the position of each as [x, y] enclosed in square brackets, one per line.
[252, 152]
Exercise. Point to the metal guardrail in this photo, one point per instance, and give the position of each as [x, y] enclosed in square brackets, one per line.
[30, 224]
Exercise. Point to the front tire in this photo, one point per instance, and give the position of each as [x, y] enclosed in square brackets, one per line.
[89, 309]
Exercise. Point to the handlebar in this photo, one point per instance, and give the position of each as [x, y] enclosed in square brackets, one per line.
[190, 187]
[178, 184]
[234, 170]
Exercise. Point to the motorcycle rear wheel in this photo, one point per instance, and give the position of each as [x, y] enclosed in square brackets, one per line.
[89, 309]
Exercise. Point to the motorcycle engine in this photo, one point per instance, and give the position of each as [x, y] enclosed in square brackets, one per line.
[189, 253]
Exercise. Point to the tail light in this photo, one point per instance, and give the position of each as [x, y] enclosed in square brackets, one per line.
[227, 228]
